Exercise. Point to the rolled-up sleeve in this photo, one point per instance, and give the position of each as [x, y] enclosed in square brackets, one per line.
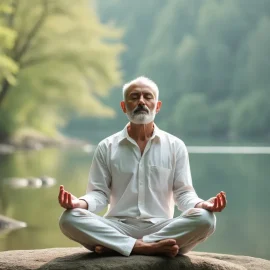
[98, 188]
[184, 194]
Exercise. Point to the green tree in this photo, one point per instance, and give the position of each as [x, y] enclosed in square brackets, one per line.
[216, 48]
[252, 116]
[220, 116]
[8, 67]
[191, 115]
[67, 60]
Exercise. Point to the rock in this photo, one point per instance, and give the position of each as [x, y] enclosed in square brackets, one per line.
[30, 182]
[80, 258]
[34, 182]
[47, 181]
[16, 182]
[8, 224]
[6, 149]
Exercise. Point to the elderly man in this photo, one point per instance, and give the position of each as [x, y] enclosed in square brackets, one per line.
[140, 172]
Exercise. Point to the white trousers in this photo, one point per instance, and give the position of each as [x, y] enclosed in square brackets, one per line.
[88, 229]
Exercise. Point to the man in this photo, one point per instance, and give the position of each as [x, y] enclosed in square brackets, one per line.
[140, 172]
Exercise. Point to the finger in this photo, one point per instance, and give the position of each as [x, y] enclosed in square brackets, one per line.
[211, 200]
[216, 205]
[224, 200]
[223, 194]
[62, 199]
[213, 204]
[66, 198]
[61, 196]
[70, 201]
[220, 201]
[61, 188]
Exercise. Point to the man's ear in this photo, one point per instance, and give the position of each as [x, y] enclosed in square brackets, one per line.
[123, 106]
[159, 104]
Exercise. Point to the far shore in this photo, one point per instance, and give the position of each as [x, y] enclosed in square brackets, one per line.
[37, 141]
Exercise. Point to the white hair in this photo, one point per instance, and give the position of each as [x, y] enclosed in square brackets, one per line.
[141, 81]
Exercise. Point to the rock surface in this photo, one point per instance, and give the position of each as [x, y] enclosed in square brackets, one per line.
[80, 258]
[8, 224]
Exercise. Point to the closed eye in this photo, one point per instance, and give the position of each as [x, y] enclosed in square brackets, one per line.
[148, 97]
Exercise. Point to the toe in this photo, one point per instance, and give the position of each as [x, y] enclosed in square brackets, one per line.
[98, 249]
[169, 242]
[174, 251]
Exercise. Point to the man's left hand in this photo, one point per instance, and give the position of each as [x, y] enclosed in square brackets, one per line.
[214, 204]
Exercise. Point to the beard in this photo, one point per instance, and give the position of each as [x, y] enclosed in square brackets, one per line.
[141, 115]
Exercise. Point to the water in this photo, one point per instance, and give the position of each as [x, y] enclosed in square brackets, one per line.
[242, 228]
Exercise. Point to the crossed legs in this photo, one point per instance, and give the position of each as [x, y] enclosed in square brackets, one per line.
[178, 235]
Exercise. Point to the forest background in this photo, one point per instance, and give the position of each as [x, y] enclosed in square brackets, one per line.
[62, 65]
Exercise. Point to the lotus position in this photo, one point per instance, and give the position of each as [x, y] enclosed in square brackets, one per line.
[140, 173]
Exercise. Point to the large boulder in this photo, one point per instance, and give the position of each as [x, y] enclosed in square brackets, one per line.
[80, 258]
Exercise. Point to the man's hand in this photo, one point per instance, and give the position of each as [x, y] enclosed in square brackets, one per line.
[214, 204]
[69, 201]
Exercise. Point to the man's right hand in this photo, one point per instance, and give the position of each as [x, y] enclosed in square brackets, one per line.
[69, 201]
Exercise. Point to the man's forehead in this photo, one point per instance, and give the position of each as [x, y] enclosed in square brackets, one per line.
[140, 89]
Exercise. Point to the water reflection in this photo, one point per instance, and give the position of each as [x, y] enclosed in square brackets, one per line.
[241, 228]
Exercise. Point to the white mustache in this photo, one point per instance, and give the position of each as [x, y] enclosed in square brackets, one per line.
[140, 108]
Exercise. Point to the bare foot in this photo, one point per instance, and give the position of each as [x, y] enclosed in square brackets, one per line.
[104, 250]
[167, 247]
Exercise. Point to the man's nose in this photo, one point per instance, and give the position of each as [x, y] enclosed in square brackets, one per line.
[141, 100]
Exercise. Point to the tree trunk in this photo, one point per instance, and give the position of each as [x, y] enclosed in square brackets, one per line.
[4, 90]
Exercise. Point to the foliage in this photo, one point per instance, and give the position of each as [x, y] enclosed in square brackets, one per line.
[67, 60]
[252, 115]
[217, 49]
[193, 122]
[8, 67]
[220, 118]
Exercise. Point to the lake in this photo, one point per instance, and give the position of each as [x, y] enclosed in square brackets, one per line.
[242, 228]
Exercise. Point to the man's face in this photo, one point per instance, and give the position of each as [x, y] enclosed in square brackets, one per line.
[140, 104]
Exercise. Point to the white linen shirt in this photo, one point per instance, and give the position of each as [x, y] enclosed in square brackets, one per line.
[140, 186]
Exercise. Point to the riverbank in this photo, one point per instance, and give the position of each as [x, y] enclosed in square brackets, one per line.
[28, 140]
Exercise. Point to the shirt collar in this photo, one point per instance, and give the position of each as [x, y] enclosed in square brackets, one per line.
[124, 133]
